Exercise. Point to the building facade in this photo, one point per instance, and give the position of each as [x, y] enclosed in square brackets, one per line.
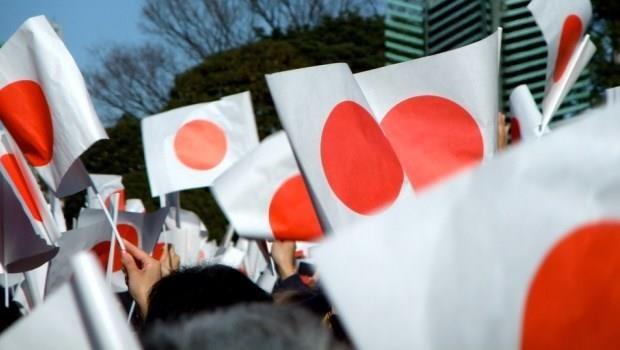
[416, 28]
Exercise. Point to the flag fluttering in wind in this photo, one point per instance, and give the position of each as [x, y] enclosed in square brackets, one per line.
[281, 207]
[45, 106]
[439, 112]
[189, 147]
[563, 24]
[351, 170]
[523, 253]
[107, 185]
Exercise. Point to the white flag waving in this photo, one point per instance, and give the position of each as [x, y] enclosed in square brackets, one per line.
[563, 24]
[190, 147]
[438, 112]
[522, 253]
[281, 207]
[350, 168]
[107, 185]
[44, 103]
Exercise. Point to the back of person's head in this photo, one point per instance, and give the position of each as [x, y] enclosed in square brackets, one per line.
[253, 326]
[200, 289]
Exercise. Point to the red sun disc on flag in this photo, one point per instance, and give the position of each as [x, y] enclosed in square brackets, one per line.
[158, 251]
[359, 164]
[9, 163]
[121, 200]
[102, 249]
[433, 137]
[515, 130]
[291, 214]
[574, 298]
[571, 33]
[200, 145]
[25, 114]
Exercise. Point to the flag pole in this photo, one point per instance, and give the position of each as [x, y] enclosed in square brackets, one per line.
[32, 287]
[132, 308]
[109, 268]
[6, 289]
[107, 215]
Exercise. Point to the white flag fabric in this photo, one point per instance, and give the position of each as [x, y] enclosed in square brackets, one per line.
[15, 169]
[521, 253]
[134, 205]
[349, 166]
[438, 112]
[80, 314]
[563, 24]
[189, 147]
[107, 185]
[281, 207]
[526, 118]
[44, 104]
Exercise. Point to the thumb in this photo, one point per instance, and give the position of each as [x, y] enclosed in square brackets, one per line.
[129, 263]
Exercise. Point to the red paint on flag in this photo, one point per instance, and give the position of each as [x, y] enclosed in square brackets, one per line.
[571, 34]
[358, 161]
[102, 249]
[121, 200]
[574, 299]
[9, 163]
[158, 251]
[515, 130]
[200, 145]
[25, 114]
[433, 137]
[291, 214]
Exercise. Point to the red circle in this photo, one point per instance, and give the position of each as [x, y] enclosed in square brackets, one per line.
[515, 130]
[291, 213]
[359, 163]
[25, 114]
[574, 298]
[571, 34]
[158, 251]
[433, 137]
[200, 145]
[9, 163]
[102, 249]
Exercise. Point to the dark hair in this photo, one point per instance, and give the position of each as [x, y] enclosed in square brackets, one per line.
[199, 289]
[253, 326]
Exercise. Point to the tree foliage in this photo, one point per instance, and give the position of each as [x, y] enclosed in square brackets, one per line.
[606, 34]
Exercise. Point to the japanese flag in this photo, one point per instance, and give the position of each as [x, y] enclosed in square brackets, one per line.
[45, 106]
[81, 314]
[107, 185]
[563, 24]
[522, 253]
[526, 118]
[142, 230]
[438, 112]
[349, 166]
[189, 147]
[281, 207]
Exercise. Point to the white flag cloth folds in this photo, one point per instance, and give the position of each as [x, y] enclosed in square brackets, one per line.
[107, 185]
[81, 314]
[349, 166]
[438, 112]
[189, 147]
[521, 253]
[45, 106]
[281, 207]
[526, 118]
[563, 24]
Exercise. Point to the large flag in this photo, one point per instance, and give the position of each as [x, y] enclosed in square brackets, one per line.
[349, 166]
[107, 185]
[438, 112]
[563, 24]
[281, 207]
[522, 253]
[80, 314]
[189, 147]
[45, 106]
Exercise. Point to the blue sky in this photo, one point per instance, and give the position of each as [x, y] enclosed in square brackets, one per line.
[85, 23]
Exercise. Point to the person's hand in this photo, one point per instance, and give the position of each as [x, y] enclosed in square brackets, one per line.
[141, 272]
[283, 254]
[169, 260]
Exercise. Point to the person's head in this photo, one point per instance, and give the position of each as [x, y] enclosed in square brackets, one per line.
[253, 326]
[200, 289]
